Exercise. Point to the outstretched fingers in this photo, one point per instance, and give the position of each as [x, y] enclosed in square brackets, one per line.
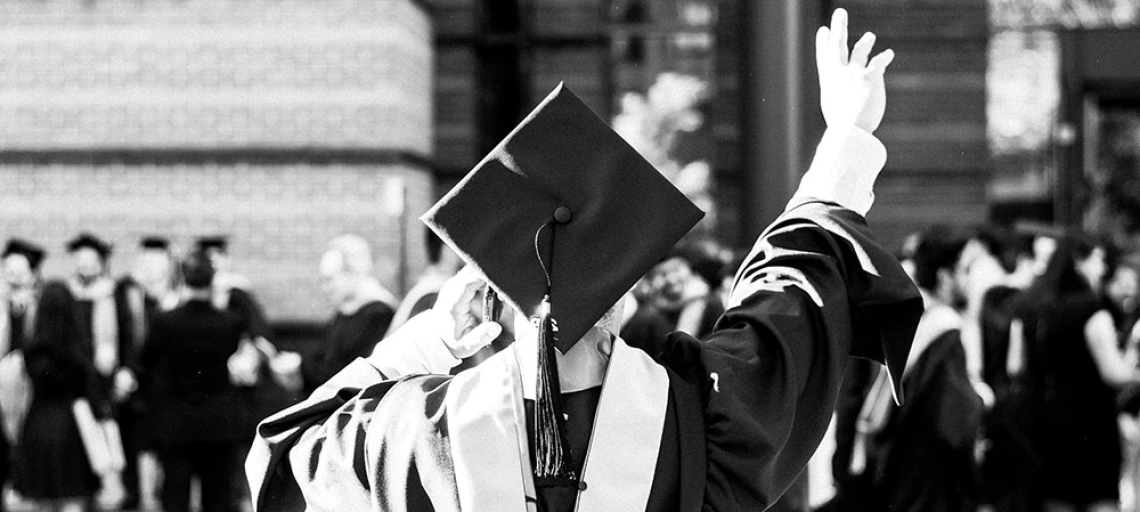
[880, 62]
[862, 49]
[823, 49]
[839, 34]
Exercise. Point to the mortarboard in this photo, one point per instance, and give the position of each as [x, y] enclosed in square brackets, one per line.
[622, 216]
[32, 252]
[562, 217]
[154, 243]
[90, 241]
[206, 243]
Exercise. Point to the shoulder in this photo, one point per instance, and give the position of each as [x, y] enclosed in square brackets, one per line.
[376, 309]
[949, 345]
[162, 317]
[1000, 296]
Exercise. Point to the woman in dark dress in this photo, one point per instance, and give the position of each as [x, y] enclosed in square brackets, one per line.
[54, 471]
[1075, 367]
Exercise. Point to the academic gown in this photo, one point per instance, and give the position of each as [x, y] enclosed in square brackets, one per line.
[924, 459]
[724, 424]
[1011, 471]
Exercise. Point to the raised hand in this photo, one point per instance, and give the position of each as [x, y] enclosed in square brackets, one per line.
[852, 92]
[460, 308]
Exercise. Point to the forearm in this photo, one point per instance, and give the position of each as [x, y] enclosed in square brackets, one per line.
[846, 163]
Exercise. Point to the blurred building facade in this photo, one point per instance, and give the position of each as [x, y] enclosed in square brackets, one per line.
[283, 123]
[496, 58]
[278, 123]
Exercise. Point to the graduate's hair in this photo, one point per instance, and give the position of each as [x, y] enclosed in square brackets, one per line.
[197, 271]
[355, 255]
[57, 328]
[1061, 276]
[939, 247]
[1005, 244]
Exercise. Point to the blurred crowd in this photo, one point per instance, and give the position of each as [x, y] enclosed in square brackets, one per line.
[1021, 393]
[163, 368]
[142, 391]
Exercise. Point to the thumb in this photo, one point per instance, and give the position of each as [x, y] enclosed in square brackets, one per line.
[477, 338]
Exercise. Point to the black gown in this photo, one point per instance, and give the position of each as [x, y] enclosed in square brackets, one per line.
[53, 463]
[924, 458]
[346, 338]
[735, 417]
[1074, 410]
[1011, 470]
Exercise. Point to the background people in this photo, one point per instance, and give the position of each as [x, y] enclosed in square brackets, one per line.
[197, 412]
[363, 309]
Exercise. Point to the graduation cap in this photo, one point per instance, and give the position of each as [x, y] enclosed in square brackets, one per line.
[212, 243]
[154, 243]
[87, 240]
[32, 252]
[562, 217]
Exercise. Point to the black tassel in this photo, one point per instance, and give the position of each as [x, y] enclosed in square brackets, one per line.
[551, 445]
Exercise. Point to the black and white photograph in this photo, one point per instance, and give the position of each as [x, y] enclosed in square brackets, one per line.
[570, 255]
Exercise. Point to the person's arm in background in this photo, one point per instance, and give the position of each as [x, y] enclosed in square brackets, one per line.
[1100, 334]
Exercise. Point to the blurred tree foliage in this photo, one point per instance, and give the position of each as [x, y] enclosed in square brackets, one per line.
[654, 122]
[1021, 14]
[1114, 208]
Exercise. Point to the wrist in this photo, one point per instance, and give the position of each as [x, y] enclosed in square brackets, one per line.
[846, 164]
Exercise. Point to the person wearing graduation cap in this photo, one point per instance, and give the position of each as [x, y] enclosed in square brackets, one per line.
[561, 219]
[94, 292]
[19, 300]
[21, 265]
[147, 290]
[199, 416]
[233, 291]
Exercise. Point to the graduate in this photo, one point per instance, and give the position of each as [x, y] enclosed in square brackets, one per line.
[561, 219]
[99, 313]
[920, 456]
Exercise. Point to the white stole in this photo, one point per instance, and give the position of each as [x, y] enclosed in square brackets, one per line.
[489, 443]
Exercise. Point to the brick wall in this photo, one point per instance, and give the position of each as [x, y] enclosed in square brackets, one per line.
[281, 123]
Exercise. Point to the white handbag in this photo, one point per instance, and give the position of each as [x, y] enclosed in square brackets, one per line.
[101, 439]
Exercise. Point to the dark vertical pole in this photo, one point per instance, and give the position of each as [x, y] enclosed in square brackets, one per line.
[502, 87]
[772, 81]
[1071, 143]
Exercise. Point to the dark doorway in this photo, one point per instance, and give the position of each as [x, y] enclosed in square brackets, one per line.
[1098, 185]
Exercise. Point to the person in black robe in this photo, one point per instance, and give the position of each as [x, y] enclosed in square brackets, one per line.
[1011, 467]
[1075, 368]
[198, 414]
[364, 310]
[921, 455]
[570, 417]
[249, 370]
[139, 296]
[19, 300]
[55, 473]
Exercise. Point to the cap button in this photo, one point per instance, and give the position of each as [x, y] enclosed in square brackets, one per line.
[562, 214]
[581, 485]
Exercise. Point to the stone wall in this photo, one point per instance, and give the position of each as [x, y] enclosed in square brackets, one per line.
[281, 123]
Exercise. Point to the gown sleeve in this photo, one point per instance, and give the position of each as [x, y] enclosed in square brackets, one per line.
[299, 449]
[814, 290]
